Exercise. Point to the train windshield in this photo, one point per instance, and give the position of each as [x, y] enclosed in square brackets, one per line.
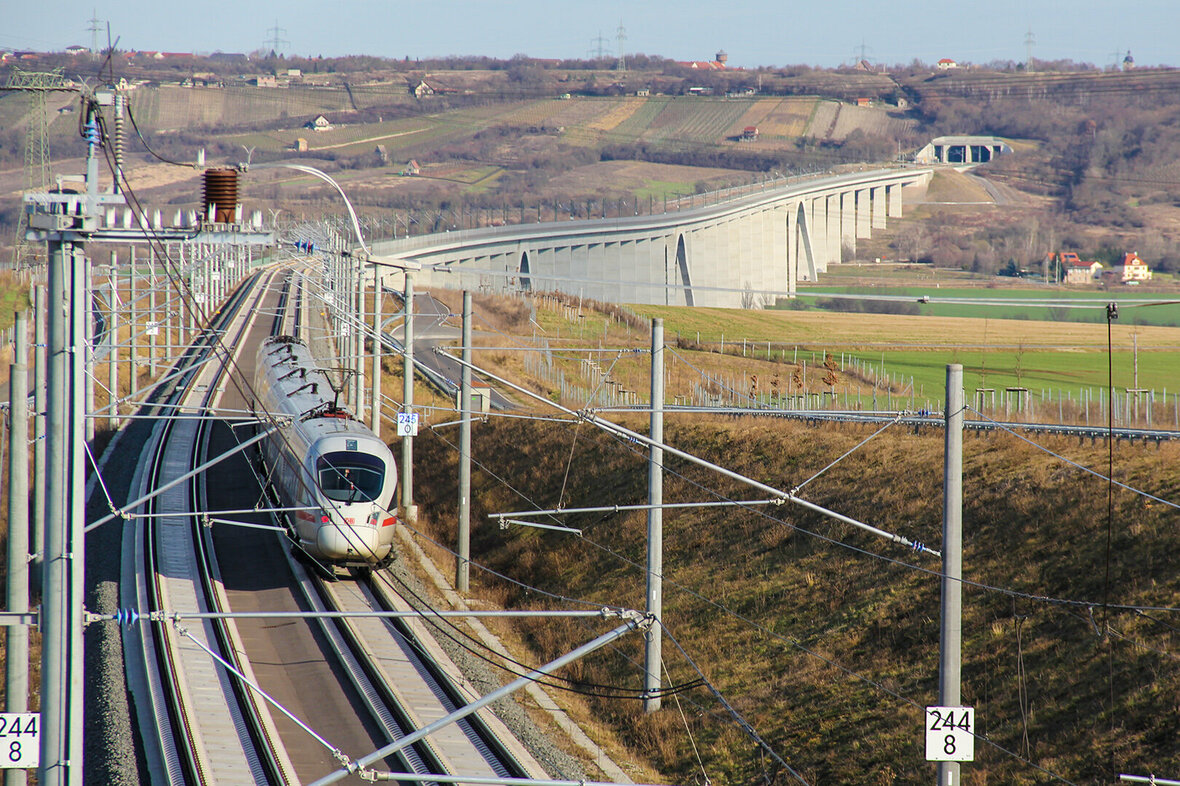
[347, 476]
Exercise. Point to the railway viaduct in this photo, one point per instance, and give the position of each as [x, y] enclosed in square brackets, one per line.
[740, 252]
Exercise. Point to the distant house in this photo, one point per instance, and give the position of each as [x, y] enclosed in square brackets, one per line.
[749, 133]
[864, 102]
[643, 92]
[76, 50]
[1134, 269]
[422, 89]
[945, 64]
[1077, 270]
[300, 145]
[294, 73]
[700, 91]
[319, 123]
[412, 169]
[382, 154]
[266, 80]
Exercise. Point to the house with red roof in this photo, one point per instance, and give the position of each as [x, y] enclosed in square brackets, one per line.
[945, 64]
[1133, 269]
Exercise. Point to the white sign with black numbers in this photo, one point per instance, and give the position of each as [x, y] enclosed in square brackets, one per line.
[153, 329]
[950, 734]
[407, 424]
[20, 740]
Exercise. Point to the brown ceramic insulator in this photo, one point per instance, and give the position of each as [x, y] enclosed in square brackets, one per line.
[221, 191]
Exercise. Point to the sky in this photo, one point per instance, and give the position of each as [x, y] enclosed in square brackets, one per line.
[753, 32]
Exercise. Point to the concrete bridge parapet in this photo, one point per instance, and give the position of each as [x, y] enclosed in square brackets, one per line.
[738, 253]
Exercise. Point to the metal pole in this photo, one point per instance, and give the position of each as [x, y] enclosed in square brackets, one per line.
[653, 637]
[950, 640]
[375, 379]
[54, 611]
[40, 467]
[410, 510]
[16, 665]
[463, 566]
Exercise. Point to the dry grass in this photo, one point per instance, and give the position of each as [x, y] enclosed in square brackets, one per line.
[808, 638]
[1032, 525]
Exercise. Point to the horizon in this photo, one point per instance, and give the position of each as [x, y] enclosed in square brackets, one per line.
[841, 32]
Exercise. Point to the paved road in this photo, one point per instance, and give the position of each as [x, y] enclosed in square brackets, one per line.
[434, 326]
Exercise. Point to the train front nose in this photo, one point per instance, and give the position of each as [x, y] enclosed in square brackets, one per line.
[348, 542]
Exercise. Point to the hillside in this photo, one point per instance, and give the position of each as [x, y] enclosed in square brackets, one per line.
[826, 640]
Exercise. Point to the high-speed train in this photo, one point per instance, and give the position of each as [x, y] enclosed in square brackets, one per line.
[338, 476]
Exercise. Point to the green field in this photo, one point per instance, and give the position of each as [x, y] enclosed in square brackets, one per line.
[1133, 305]
[909, 354]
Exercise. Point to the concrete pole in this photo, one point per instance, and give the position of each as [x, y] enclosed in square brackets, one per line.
[133, 308]
[653, 636]
[87, 347]
[375, 377]
[112, 339]
[40, 466]
[76, 515]
[16, 666]
[153, 317]
[950, 640]
[410, 510]
[463, 566]
[360, 340]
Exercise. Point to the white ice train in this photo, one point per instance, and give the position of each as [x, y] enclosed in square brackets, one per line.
[338, 475]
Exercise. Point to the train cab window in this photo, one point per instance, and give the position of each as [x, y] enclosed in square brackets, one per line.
[350, 477]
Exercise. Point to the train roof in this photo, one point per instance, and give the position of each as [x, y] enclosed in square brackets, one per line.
[291, 383]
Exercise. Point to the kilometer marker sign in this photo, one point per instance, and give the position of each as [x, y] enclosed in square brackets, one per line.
[20, 740]
[950, 734]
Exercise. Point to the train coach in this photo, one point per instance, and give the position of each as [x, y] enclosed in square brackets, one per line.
[337, 476]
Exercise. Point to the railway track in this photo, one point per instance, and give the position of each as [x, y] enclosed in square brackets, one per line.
[289, 699]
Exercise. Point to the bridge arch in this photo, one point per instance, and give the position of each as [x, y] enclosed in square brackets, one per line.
[682, 269]
[526, 282]
[801, 242]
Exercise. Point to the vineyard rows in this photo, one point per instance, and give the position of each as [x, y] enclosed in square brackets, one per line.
[755, 115]
[869, 120]
[823, 121]
[618, 113]
[635, 125]
[788, 119]
[696, 119]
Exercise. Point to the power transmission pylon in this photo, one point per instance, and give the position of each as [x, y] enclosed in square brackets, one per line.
[275, 41]
[621, 35]
[94, 28]
[598, 51]
[36, 84]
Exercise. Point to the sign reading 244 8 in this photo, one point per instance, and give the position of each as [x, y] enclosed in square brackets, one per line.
[950, 734]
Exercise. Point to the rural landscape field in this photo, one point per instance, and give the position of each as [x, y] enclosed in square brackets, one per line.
[797, 646]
